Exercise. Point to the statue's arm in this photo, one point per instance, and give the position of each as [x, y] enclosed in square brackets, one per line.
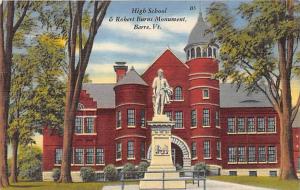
[154, 86]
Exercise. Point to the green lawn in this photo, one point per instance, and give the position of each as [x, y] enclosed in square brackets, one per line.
[58, 186]
[269, 182]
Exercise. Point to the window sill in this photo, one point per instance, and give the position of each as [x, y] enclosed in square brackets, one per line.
[130, 158]
[80, 134]
[231, 162]
[179, 128]
[206, 126]
[242, 133]
[131, 126]
[177, 100]
[272, 162]
[208, 158]
[252, 162]
[57, 164]
[89, 164]
[219, 158]
[119, 128]
[219, 127]
[242, 162]
[196, 158]
[77, 164]
[193, 127]
[143, 127]
[100, 164]
[119, 159]
[205, 98]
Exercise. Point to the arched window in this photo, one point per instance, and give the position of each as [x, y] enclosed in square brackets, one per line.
[80, 106]
[192, 53]
[215, 52]
[209, 52]
[178, 93]
[198, 52]
[204, 53]
[188, 55]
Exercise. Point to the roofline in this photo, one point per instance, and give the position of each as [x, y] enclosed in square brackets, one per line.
[159, 55]
[131, 84]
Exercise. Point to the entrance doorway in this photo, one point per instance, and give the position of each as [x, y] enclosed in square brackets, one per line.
[177, 155]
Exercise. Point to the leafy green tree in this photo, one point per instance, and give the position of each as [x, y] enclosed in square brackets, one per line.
[260, 55]
[12, 15]
[86, 78]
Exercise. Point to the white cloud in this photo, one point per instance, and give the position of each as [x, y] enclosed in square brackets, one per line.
[116, 47]
[127, 29]
[180, 28]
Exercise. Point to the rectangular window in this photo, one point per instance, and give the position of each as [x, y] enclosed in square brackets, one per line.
[131, 117]
[271, 124]
[230, 125]
[99, 156]
[89, 125]
[58, 155]
[217, 118]
[231, 154]
[241, 125]
[130, 150]
[143, 118]
[194, 150]
[169, 114]
[273, 173]
[251, 154]
[232, 173]
[206, 117]
[143, 148]
[205, 93]
[206, 149]
[193, 118]
[272, 154]
[252, 173]
[78, 125]
[261, 125]
[250, 124]
[241, 154]
[262, 154]
[90, 156]
[79, 156]
[119, 119]
[178, 119]
[218, 149]
[118, 151]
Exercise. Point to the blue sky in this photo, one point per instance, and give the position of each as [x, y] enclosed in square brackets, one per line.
[118, 41]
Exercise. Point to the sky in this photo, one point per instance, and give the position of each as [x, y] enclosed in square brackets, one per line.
[119, 41]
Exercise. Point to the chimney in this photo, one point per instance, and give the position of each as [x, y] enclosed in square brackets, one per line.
[120, 69]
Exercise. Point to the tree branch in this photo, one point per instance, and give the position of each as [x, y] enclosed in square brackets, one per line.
[20, 20]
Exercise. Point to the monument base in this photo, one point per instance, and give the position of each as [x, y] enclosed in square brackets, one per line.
[161, 173]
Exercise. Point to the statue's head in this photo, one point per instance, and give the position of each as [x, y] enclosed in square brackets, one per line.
[160, 73]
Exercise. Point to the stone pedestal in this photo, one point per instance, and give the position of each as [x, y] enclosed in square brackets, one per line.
[161, 157]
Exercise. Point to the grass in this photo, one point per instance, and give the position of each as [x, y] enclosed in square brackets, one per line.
[58, 186]
[268, 182]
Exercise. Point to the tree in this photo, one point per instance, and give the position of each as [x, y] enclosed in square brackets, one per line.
[260, 55]
[76, 71]
[86, 78]
[9, 25]
[37, 93]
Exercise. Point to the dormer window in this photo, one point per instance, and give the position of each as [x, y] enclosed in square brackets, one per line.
[198, 52]
[192, 53]
[80, 106]
[178, 93]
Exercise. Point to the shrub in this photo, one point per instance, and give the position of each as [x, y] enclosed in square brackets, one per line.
[110, 172]
[30, 163]
[129, 170]
[87, 174]
[201, 166]
[142, 168]
[55, 174]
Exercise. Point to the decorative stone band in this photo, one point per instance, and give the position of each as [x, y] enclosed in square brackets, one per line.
[205, 136]
[201, 103]
[196, 87]
[130, 136]
[130, 103]
[201, 73]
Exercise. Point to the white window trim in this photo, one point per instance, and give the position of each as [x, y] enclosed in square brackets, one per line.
[175, 119]
[195, 126]
[144, 126]
[80, 134]
[135, 112]
[205, 97]
[117, 117]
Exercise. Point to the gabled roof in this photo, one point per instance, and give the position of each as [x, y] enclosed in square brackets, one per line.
[230, 97]
[131, 77]
[103, 94]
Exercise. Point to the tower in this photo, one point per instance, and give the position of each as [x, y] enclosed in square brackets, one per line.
[204, 91]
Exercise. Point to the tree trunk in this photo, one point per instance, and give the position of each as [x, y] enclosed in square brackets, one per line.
[14, 163]
[4, 98]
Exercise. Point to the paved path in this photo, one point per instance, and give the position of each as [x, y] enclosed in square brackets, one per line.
[210, 185]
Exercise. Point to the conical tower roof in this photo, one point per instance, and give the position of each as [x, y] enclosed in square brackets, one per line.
[199, 34]
[131, 77]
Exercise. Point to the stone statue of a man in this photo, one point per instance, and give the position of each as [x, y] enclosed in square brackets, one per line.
[161, 93]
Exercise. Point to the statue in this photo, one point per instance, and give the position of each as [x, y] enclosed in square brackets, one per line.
[161, 93]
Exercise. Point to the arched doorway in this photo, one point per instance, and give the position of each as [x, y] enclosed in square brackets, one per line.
[183, 151]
